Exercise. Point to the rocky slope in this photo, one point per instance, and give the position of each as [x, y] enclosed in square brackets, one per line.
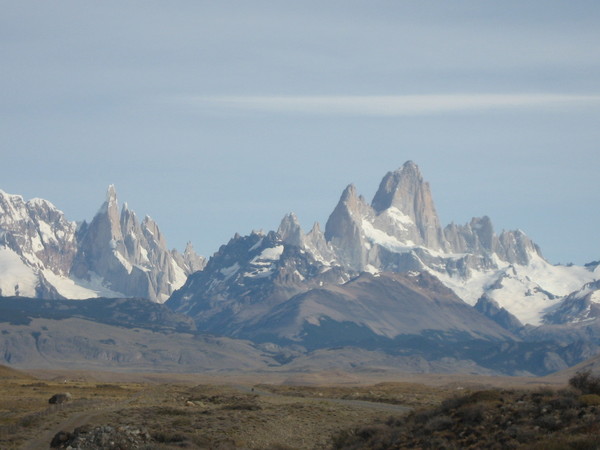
[122, 334]
[249, 276]
[375, 308]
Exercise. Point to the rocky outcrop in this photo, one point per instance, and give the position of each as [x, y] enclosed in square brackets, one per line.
[314, 242]
[102, 437]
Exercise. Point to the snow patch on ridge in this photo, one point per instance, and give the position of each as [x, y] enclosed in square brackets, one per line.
[270, 254]
[399, 218]
[17, 278]
[376, 236]
[228, 272]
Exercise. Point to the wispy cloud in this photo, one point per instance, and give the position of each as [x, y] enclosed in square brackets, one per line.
[391, 105]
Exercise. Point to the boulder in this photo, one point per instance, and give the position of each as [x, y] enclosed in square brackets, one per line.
[57, 399]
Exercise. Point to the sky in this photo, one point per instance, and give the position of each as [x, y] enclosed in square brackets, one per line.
[221, 117]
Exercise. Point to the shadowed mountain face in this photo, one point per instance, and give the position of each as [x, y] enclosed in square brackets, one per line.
[118, 334]
[384, 306]
[129, 313]
[246, 278]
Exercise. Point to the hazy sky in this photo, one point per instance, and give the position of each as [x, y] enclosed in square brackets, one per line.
[220, 117]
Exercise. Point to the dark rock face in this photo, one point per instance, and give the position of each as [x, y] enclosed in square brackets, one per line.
[579, 307]
[501, 316]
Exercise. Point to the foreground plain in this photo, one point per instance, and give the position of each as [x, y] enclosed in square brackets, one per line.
[156, 411]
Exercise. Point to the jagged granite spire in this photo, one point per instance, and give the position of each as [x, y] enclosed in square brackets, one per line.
[290, 231]
[344, 228]
[406, 190]
[131, 257]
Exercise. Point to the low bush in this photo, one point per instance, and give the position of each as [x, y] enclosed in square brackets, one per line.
[586, 382]
[491, 419]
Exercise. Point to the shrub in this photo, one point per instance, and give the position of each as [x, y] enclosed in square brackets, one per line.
[472, 414]
[485, 396]
[586, 382]
[438, 423]
[167, 437]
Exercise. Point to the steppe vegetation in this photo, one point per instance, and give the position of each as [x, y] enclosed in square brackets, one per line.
[545, 419]
[169, 415]
[172, 415]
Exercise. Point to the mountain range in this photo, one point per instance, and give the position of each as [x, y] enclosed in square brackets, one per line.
[383, 276]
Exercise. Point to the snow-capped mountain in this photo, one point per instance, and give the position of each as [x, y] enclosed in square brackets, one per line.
[399, 232]
[42, 254]
[37, 246]
[252, 274]
[581, 306]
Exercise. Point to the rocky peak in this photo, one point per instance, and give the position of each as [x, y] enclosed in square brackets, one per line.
[517, 247]
[400, 189]
[343, 229]
[192, 260]
[475, 237]
[290, 231]
[406, 190]
[131, 257]
[152, 233]
[37, 231]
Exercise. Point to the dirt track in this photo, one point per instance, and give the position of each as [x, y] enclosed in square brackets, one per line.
[77, 419]
[78, 416]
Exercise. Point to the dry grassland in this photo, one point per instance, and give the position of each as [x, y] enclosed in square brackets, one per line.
[200, 411]
[175, 415]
